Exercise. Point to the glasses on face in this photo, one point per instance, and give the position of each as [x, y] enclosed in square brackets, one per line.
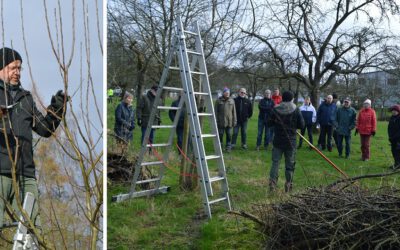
[242, 92]
[15, 68]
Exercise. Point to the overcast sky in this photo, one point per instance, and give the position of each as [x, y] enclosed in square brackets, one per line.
[43, 62]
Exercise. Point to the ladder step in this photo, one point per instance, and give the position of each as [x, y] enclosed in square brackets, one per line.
[200, 93]
[190, 32]
[172, 89]
[197, 73]
[168, 107]
[194, 53]
[210, 157]
[204, 114]
[174, 68]
[150, 163]
[163, 126]
[217, 178]
[208, 135]
[158, 145]
[148, 180]
[217, 200]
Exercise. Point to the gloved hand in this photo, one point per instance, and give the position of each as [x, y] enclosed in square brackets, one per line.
[57, 103]
[356, 132]
[373, 133]
[159, 122]
[139, 122]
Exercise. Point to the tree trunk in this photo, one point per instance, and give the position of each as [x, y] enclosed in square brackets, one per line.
[314, 96]
[141, 70]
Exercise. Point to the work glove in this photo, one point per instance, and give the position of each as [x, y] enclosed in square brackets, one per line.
[356, 132]
[139, 122]
[373, 133]
[159, 122]
[57, 103]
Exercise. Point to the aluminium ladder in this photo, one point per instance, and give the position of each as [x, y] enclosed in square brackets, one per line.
[191, 62]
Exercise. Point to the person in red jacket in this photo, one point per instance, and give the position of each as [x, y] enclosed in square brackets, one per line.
[276, 97]
[366, 126]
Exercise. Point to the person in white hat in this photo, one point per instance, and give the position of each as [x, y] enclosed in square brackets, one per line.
[366, 126]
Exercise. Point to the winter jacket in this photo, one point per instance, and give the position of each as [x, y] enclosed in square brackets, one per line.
[394, 129]
[144, 110]
[24, 118]
[225, 112]
[309, 114]
[286, 118]
[265, 105]
[277, 99]
[326, 114]
[345, 120]
[366, 121]
[172, 113]
[124, 121]
[244, 109]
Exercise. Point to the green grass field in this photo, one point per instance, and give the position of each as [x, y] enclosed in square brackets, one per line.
[176, 220]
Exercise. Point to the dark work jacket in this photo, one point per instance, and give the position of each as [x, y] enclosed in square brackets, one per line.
[244, 109]
[144, 109]
[394, 129]
[286, 118]
[326, 114]
[265, 105]
[124, 121]
[24, 118]
[345, 120]
[172, 113]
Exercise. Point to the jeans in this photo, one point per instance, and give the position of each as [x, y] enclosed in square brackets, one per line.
[325, 136]
[396, 153]
[268, 133]
[151, 136]
[26, 184]
[339, 145]
[309, 132]
[365, 144]
[243, 133]
[221, 132]
[179, 135]
[290, 155]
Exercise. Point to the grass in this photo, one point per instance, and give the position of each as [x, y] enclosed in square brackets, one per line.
[175, 220]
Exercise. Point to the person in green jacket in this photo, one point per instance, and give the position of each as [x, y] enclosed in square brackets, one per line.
[345, 122]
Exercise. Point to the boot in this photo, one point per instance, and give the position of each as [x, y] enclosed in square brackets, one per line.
[272, 185]
[288, 187]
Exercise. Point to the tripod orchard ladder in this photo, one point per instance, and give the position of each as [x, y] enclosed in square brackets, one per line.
[191, 63]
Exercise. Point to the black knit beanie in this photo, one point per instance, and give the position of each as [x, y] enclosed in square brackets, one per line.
[8, 56]
[287, 96]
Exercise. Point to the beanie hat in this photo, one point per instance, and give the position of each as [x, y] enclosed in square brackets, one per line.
[8, 56]
[395, 107]
[287, 96]
[154, 87]
[368, 101]
[226, 89]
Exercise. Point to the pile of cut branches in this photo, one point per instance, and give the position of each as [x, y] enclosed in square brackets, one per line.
[119, 168]
[327, 218]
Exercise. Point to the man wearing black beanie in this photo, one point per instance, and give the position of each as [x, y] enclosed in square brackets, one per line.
[285, 118]
[18, 118]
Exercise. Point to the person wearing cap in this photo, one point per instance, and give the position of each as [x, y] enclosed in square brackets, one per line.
[326, 118]
[338, 104]
[143, 112]
[225, 114]
[265, 106]
[310, 117]
[20, 117]
[244, 110]
[276, 97]
[366, 126]
[286, 119]
[124, 122]
[345, 122]
[394, 135]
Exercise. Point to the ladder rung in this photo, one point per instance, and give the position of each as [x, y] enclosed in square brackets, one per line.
[200, 93]
[217, 200]
[210, 157]
[217, 178]
[190, 32]
[158, 145]
[150, 163]
[173, 89]
[163, 126]
[168, 107]
[148, 180]
[197, 73]
[204, 114]
[193, 52]
[174, 68]
[208, 135]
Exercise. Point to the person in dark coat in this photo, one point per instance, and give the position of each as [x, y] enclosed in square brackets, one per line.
[265, 106]
[345, 122]
[19, 117]
[143, 112]
[326, 117]
[394, 135]
[124, 122]
[180, 125]
[285, 118]
[244, 111]
[310, 117]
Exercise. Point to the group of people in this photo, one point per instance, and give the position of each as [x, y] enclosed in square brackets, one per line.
[278, 121]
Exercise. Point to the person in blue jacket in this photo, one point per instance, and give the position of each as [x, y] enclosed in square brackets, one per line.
[310, 117]
[326, 118]
[124, 122]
